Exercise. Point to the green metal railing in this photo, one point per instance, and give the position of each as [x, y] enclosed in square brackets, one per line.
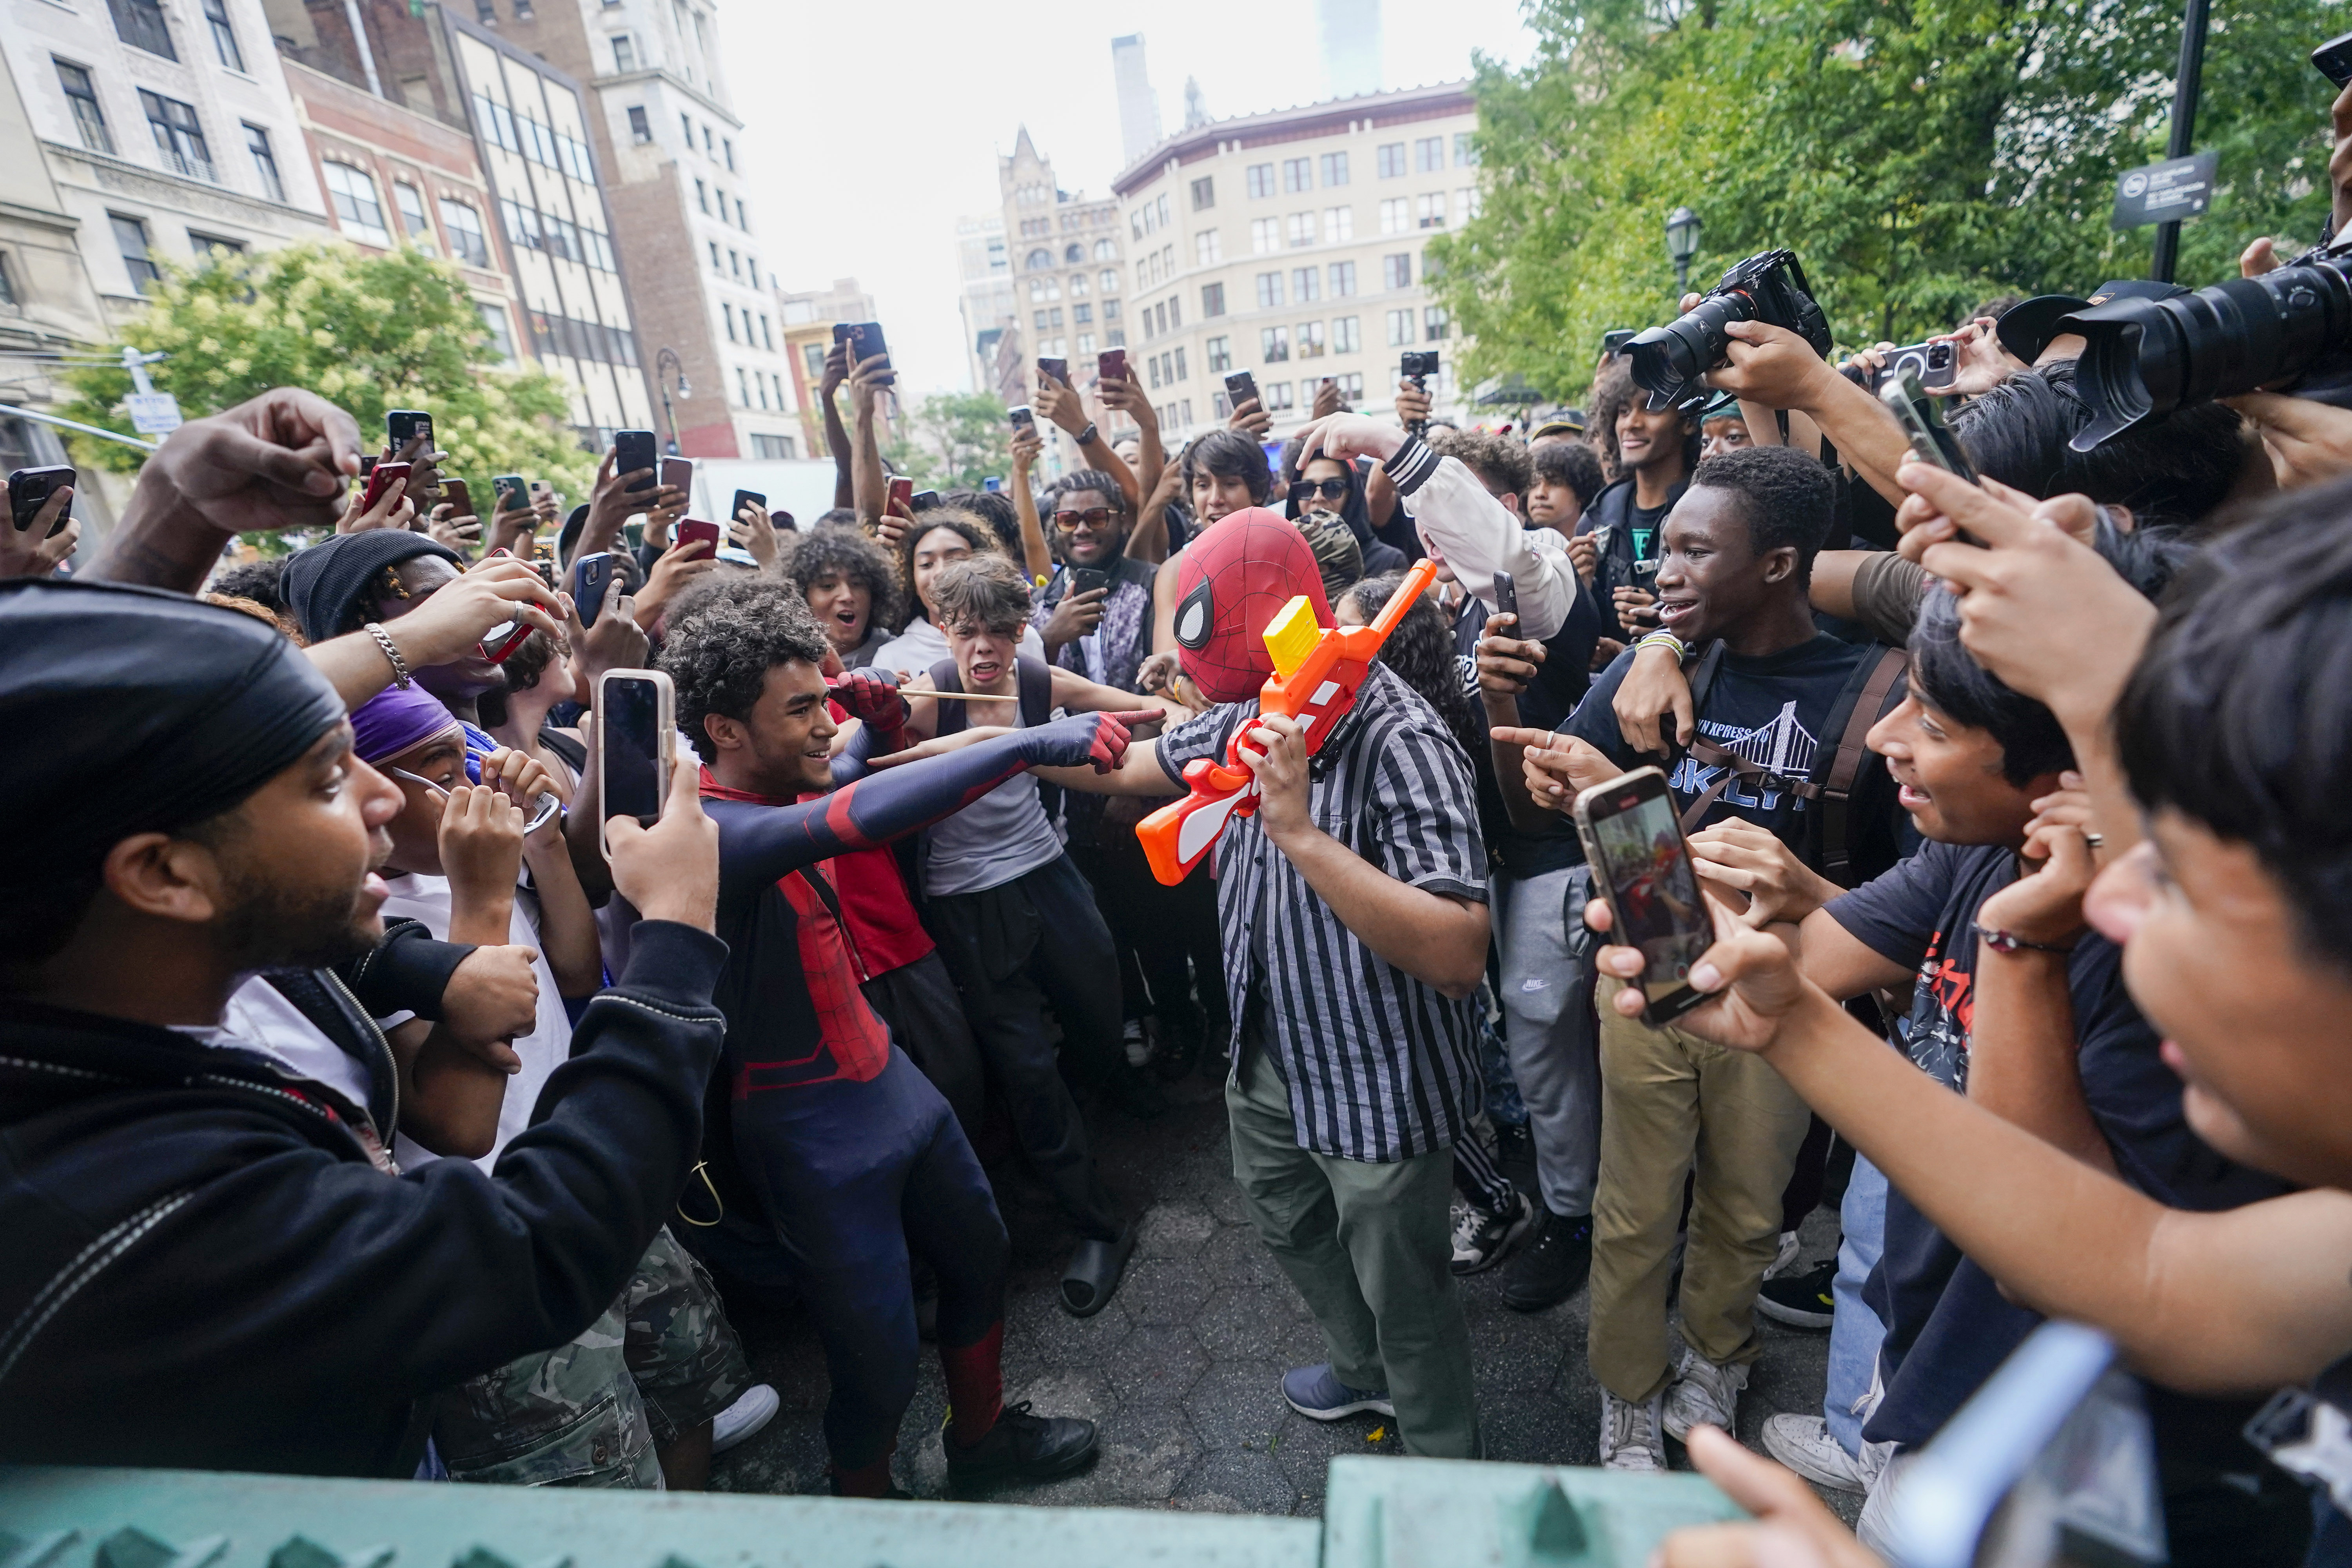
[1378, 1512]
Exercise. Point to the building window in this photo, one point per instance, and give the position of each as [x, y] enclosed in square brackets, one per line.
[1302, 229]
[1082, 315]
[1308, 335]
[1401, 332]
[1433, 210]
[1261, 180]
[774, 448]
[1466, 150]
[1297, 175]
[702, 197]
[1085, 342]
[1038, 260]
[1221, 354]
[1433, 323]
[1204, 194]
[1344, 337]
[1396, 271]
[1213, 299]
[1074, 255]
[82, 95]
[686, 128]
[411, 202]
[140, 23]
[1269, 289]
[1339, 225]
[493, 321]
[1208, 247]
[213, 246]
[1107, 282]
[1335, 168]
[735, 264]
[624, 54]
[641, 130]
[727, 145]
[1273, 344]
[1181, 374]
[1306, 284]
[265, 163]
[465, 230]
[1176, 313]
[224, 35]
[1276, 395]
[178, 136]
[767, 337]
[1106, 250]
[1396, 216]
[1077, 285]
[1265, 235]
[1391, 160]
[1466, 204]
[743, 389]
[1343, 280]
[730, 321]
[1351, 385]
[131, 239]
[1110, 310]
[352, 193]
[1114, 339]
[742, 218]
[7, 282]
[486, 12]
[707, 147]
[1428, 153]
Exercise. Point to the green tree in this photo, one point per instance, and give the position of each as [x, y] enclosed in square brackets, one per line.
[1920, 156]
[953, 440]
[368, 332]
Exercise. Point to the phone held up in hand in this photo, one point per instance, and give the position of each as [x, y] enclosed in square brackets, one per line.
[401, 425]
[1937, 364]
[636, 740]
[29, 490]
[2334, 59]
[1022, 416]
[633, 450]
[864, 341]
[742, 498]
[691, 530]
[1111, 364]
[1506, 599]
[1931, 439]
[1633, 839]
[590, 575]
[1241, 387]
[902, 495]
[507, 492]
[677, 474]
[379, 481]
[1057, 369]
[1087, 579]
[459, 496]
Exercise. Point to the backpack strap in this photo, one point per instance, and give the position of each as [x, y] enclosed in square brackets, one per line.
[1036, 684]
[951, 717]
[1878, 693]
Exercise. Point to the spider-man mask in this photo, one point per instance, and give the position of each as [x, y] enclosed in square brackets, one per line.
[1234, 579]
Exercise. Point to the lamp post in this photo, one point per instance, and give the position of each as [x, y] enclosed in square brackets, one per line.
[1681, 244]
[668, 356]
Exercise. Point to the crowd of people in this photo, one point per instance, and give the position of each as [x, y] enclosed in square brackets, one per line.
[373, 1102]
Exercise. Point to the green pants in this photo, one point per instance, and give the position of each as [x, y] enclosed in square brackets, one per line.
[1370, 1249]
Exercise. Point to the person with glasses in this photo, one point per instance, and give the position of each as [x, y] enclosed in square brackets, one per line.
[1321, 484]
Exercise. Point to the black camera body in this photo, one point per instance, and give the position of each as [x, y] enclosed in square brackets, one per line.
[1769, 288]
[2290, 329]
[1418, 363]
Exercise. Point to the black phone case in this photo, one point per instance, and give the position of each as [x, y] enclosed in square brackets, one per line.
[403, 426]
[634, 449]
[29, 490]
[736, 512]
[2334, 60]
[1242, 387]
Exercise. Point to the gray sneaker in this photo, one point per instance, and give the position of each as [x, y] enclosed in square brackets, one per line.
[1804, 1444]
[1704, 1393]
[1630, 1435]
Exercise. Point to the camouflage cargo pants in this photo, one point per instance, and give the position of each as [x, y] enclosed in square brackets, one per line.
[662, 1360]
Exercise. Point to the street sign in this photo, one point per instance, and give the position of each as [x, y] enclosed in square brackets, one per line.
[2166, 192]
[152, 413]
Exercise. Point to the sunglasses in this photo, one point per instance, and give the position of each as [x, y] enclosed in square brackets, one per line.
[1308, 490]
[1094, 517]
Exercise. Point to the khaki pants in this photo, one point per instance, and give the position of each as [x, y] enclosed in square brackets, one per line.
[1673, 1104]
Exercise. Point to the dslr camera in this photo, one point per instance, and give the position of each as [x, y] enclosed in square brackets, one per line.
[1769, 288]
[2290, 329]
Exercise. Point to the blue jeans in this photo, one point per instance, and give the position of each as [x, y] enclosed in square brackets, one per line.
[1855, 1331]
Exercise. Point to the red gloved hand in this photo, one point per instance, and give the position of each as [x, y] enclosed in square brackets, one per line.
[871, 697]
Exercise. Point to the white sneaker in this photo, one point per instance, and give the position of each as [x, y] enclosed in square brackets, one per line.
[753, 1408]
[1785, 1257]
[1804, 1444]
[1870, 1527]
[1704, 1392]
[1629, 1438]
[1137, 1043]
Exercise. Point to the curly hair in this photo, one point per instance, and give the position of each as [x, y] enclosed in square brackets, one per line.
[1614, 390]
[974, 530]
[993, 508]
[984, 590]
[1500, 462]
[1421, 652]
[842, 553]
[1785, 496]
[719, 644]
[254, 580]
[1083, 480]
[1570, 463]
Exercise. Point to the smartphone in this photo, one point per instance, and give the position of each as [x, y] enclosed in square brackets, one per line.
[380, 480]
[2053, 1460]
[1936, 364]
[590, 575]
[1241, 387]
[368, 463]
[634, 535]
[736, 510]
[459, 497]
[902, 493]
[677, 474]
[1111, 364]
[1506, 599]
[541, 488]
[2334, 59]
[637, 743]
[401, 425]
[507, 492]
[691, 529]
[1059, 369]
[865, 342]
[29, 490]
[1022, 416]
[922, 501]
[1931, 439]
[1613, 341]
[634, 449]
[1087, 579]
[1633, 840]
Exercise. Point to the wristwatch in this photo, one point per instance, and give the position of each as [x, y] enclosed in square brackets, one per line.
[2009, 941]
[1088, 433]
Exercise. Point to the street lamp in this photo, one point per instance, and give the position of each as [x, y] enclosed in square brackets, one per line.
[1681, 244]
[669, 357]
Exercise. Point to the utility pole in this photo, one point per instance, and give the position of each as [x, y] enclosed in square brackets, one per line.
[2193, 17]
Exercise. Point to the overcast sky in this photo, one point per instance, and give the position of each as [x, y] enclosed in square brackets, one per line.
[874, 126]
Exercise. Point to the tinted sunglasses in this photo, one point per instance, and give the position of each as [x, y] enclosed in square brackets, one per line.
[1303, 490]
[1094, 516]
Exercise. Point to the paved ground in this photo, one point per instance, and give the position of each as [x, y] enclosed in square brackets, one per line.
[1180, 1369]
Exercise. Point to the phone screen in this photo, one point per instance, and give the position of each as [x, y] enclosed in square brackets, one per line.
[1637, 843]
[632, 749]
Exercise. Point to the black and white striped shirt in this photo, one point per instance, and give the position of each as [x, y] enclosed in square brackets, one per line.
[1380, 1067]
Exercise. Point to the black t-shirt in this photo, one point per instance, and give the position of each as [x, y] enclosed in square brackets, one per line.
[1775, 709]
[1948, 1325]
[1645, 521]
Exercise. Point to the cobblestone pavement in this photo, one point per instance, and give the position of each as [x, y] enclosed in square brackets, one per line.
[1180, 1369]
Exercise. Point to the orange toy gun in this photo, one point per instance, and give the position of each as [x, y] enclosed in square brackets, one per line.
[1316, 673]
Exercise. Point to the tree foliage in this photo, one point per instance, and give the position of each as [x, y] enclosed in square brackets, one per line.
[952, 440]
[369, 333]
[1920, 156]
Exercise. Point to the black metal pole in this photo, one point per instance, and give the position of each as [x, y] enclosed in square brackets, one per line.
[2193, 17]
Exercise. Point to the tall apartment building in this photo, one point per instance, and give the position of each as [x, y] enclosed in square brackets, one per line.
[984, 269]
[1289, 244]
[162, 132]
[1069, 282]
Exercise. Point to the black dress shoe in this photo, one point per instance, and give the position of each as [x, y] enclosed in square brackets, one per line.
[1021, 1447]
[1553, 1266]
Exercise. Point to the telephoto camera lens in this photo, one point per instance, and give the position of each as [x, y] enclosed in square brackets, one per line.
[1669, 359]
[2144, 358]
